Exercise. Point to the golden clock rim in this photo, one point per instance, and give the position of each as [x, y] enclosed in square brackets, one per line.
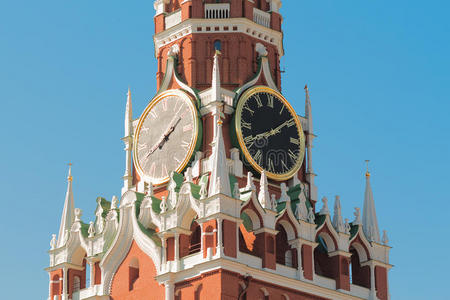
[245, 96]
[153, 102]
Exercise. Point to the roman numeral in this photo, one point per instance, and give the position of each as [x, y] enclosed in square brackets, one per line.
[258, 100]
[249, 141]
[247, 107]
[142, 147]
[153, 113]
[292, 156]
[285, 168]
[271, 167]
[176, 104]
[269, 100]
[164, 105]
[258, 157]
[291, 122]
[164, 172]
[185, 145]
[295, 141]
[152, 170]
[187, 127]
[246, 125]
[282, 108]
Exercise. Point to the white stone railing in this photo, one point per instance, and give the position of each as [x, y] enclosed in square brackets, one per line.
[261, 17]
[325, 282]
[217, 11]
[359, 291]
[173, 19]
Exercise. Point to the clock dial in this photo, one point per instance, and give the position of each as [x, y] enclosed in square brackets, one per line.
[269, 133]
[166, 136]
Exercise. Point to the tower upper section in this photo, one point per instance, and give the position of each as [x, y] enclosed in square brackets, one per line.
[234, 27]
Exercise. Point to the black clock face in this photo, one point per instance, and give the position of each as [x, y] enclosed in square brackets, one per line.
[270, 133]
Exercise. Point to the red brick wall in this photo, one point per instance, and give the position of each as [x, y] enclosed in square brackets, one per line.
[307, 261]
[381, 283]
[229, 238]
[144, 286]
[238, 62]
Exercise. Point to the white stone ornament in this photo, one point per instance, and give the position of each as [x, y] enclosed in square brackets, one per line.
[311, 216]
[385, 238]
[284, 196]
[188, 175]
[78, 214]
[273, 201]
[337, 218]
[203, 191]
[302, 210]
[264, 196]
[324, 210]
[250, 184]
[173, 195]
[99, 214]
[174, 50]
[261, 49]
[114, 202]
[150, 189]
[91, 230]
[346, 226]
[163, 205]
[357, 214]
[236, 191]
[53, 242]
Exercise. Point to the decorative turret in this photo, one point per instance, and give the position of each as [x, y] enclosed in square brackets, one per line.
[310, 176]
[219, 180]
[338, 223]
[216, 93]
[128, 141]
[68, 216]
[264, 196]
[369, 221]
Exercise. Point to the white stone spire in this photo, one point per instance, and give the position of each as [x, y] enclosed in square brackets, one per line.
[338, 223]
[219, 182]
[310, 175]
[308, 110]
[264, 196]
[370, 223]
[128, 141]
[68, 215]
[216, 93]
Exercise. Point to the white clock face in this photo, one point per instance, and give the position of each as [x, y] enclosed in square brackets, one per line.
[166, 136]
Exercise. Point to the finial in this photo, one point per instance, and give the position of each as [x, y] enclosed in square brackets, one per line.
[69, 177]
[385, 238]
[306, 88]
[367, 168]
[53, 242]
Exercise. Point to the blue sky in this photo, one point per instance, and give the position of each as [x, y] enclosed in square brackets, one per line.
[379, 79]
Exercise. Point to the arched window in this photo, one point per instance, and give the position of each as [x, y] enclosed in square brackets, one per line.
[196, 238]
[218, 45]
[133, 272]
[322, 262]
[359, 275]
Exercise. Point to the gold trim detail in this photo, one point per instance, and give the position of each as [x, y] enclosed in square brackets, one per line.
[242, 100]
[192, 107]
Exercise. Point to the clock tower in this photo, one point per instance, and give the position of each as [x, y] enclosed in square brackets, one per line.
[219, 199]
